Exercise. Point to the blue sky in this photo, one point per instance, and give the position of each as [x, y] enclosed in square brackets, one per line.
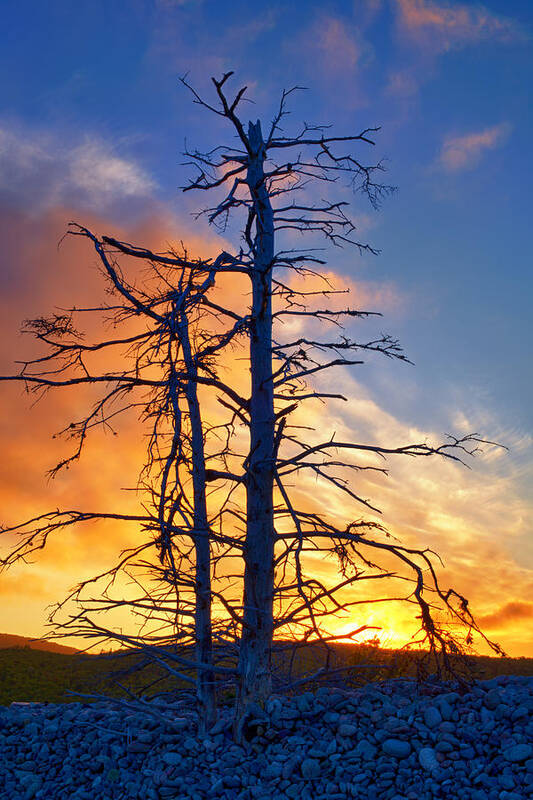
[93, 120]
[453, 238]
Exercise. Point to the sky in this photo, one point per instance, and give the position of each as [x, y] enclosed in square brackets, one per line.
[93, 121]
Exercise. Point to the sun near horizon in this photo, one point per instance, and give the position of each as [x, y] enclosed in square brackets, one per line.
[447, 84]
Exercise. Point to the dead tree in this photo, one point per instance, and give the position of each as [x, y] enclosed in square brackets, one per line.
[171, 342]
[270, 179]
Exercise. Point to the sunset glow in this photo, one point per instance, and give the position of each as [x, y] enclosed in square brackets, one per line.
[95, 137]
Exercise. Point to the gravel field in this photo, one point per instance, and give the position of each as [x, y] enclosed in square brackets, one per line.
[385, 741]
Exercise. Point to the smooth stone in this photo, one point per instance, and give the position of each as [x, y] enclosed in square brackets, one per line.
[289, 766]
[365, 749]
[396, 747]
[218, 727]
[138, 747]
[492, 699]
[310, 768]
[428, 759]
[445, 709]
[232, 781]
[347, 730]
[518, 752]
[432, 717]
[506, 781]
[172, 759]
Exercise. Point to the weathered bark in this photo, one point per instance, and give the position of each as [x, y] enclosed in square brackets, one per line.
[205, 683]
[254, 671]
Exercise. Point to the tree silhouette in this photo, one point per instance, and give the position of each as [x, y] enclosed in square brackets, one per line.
[211, 501]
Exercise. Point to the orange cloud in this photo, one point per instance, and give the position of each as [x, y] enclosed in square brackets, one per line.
[474, 519]
[464, 152]
[37, 280]
[448, 26]
[478, 520]
[508, 615]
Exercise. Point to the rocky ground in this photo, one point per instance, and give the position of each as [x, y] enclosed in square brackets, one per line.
[382, 742]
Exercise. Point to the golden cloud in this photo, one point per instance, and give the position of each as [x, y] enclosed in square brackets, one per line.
[472, 518]
[508, 615]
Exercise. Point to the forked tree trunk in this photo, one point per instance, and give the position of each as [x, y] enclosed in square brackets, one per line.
[254, 680]
[205, 683]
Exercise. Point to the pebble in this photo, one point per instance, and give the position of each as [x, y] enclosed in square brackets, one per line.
[345, 729]
[310, 768]
[385, 741]
[432, 717]
[519, 752]
[428, 759]
[396, 747]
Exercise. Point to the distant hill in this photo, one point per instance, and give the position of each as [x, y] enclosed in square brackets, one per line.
[11, 640]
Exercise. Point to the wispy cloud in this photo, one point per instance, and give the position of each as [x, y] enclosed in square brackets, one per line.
[444, 27]
[402, 83]
[332, 50]
[336, 43]
[178, 3]
[96, 170]
[38, 171]
[464, 152]
[429, 29]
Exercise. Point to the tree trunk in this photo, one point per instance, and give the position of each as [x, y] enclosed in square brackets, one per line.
[254, 682]
[205, 684]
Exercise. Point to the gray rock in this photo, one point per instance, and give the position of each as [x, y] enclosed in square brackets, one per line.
[139, 747]
[365, 749]
[289, 766]
[445, 709]
[428, 759]
[167, 792]
[450, 697]
[506, 781]
[432, 717]
[232, 781]
[492, 699]
[522, 712]
[172, 759]
[518, 752]
[190, 744]
[396, 747]
[488, 752]
[444, 747]
[302, 702]
[289, 713]
[219, 726]
[310, 769]
[345, 729]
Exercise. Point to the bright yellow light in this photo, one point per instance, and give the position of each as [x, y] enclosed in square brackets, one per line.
[388, 637]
